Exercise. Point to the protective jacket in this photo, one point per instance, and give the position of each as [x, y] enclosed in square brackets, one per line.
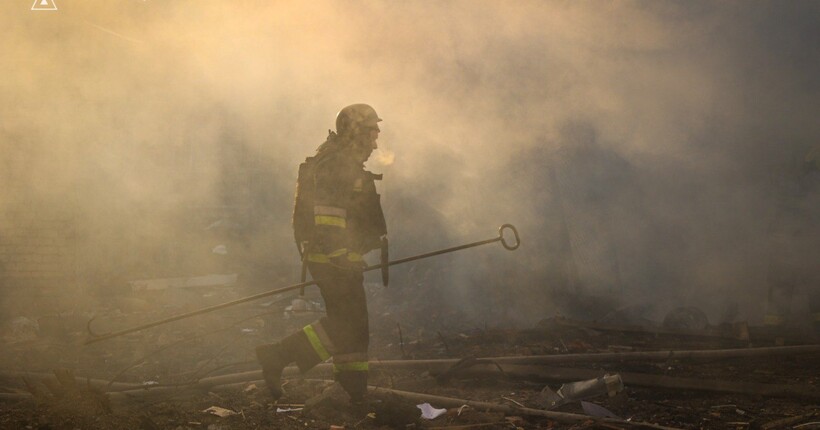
[347, 215]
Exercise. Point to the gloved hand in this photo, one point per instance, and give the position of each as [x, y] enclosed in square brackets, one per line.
[370, 243]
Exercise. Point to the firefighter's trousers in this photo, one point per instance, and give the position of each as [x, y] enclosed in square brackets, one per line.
[342, 335]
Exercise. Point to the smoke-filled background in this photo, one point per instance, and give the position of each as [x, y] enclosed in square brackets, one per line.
[640, 147]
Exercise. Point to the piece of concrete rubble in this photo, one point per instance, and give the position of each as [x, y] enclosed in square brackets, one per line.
[219, 411]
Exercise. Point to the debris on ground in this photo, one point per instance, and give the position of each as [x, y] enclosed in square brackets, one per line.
[201, 374]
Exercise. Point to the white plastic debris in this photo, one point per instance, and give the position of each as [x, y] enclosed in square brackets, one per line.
[429, 412]
[220, 250]
[301, 306]
[220, 412]
[280, 410]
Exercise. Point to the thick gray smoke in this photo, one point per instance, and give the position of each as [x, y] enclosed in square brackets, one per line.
[637, 145]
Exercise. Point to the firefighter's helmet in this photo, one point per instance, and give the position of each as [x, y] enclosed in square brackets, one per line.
[356, 118]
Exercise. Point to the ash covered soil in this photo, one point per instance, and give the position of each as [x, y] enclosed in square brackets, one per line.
[173, 360]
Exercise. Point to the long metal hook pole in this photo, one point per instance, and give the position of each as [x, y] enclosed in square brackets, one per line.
[500, 238]
[173, 318]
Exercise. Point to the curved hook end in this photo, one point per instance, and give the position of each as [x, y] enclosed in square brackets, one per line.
[91, 332]
[506, 245]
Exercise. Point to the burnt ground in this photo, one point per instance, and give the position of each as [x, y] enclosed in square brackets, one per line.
[177, 355]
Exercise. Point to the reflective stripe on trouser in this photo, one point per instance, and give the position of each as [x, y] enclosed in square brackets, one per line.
[319, 340]
[353, 362]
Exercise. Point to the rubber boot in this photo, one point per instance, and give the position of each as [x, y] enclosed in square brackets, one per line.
[273, 361]
[355, 384]
[274, 357]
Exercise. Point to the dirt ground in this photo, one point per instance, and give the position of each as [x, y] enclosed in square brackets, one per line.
[174, 357]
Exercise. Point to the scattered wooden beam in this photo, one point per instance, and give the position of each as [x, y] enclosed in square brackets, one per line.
[705, 354]
[610, 357]
[646, 380]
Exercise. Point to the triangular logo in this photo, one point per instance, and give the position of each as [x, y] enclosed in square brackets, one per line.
[44, 5]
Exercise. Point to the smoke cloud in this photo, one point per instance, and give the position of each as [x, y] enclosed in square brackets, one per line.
[639, 147]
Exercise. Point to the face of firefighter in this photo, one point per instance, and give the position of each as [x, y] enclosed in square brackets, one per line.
[366, 142]
[374, 135]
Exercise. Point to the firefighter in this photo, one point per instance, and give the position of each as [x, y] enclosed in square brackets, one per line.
[337, 219]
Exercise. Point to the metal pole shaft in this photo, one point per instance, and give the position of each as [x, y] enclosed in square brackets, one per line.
[279, 291]
[431, 254]
[199, 312]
